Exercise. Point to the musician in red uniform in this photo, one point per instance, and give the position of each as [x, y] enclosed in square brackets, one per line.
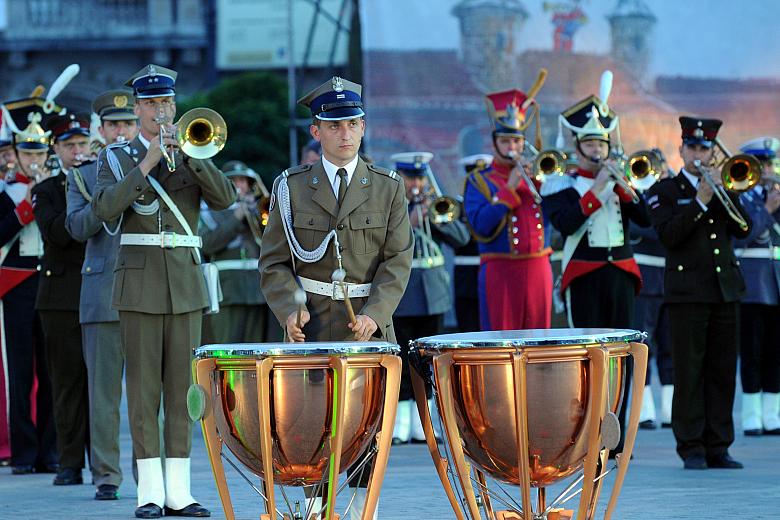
[505, 216]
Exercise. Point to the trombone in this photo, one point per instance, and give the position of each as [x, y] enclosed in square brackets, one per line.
[531, 186]
[618, 173]
[442, 209]
[200, 133]
[738, 173]
[547, 162]
[644, 168]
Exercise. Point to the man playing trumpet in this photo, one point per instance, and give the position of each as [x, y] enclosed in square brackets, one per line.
[159, 289]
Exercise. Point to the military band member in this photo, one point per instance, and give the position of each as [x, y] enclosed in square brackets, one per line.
[58, 298]
[7, 155]
[338, 213]
[505, 217]
[231, 240]
[33, 443]
[102, 345]
[759, 312]
[702, 288]
[311, 152]
[592, 211]
[466, 270]
[650, 314]
[158, 287]
[427, 297]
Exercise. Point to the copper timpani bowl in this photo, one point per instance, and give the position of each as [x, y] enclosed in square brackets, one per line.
[528, 408]
[302, 396]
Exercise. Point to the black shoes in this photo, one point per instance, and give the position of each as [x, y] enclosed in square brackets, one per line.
[148, 511]
[107, 492]
[776, 431]
[723, 461]
[648, 424]
[694, 462]
[47, 468]
[22, 470]
[753, 432]
[192, 510]
[666, 425]
[68, 477]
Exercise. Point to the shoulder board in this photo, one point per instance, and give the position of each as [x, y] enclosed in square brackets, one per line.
[477, 179]
[383, 171]
[296, 169]
[556, 183]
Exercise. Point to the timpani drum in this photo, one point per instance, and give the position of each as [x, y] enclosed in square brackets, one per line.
[528, 409]
[298, 415]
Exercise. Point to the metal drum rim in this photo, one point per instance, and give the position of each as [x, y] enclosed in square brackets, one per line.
[314, 348]
[513, 339]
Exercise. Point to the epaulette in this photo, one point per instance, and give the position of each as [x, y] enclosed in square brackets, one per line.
[556, 183]
[296, 169]
[477, 179]
[384, 171]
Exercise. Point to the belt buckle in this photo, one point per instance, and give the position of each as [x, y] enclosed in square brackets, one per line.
[167, 239]
[338, 290]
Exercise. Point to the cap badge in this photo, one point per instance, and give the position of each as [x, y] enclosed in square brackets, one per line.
[74, 124]
[768, 144]
[337, 84]
[698, 133]
[120, 101]
[152, 70]
[364, 181]
[34, 117]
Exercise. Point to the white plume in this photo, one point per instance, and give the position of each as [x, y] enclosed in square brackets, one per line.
[59, 85]
[604, 90]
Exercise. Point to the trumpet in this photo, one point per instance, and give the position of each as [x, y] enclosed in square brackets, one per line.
[644, 168]
[531, 186]
[738, 173]
[200, 133]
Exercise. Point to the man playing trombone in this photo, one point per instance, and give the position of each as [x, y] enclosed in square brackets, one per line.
[504, 215]
[159, 288]
[702, 289]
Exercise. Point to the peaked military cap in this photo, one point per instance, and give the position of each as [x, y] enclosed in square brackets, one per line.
[115, 105]
[66, 126]
[412, 164]
[335, 100]
[765, 148]
[153, 81]
[699, 131]
[476, 162]
[239, 169]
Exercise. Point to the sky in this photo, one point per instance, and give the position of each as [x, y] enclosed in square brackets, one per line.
[696, 38]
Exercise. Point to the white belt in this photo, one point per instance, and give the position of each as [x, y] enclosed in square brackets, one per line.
[249, 264]
[427, 263]
[466, 260]
[652, 261]
[166, 240]
[335, 290]
[771, 253]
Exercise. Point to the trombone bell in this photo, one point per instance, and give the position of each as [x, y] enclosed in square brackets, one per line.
[444, 210]
[549, 162]
[741, 172]
[201, 133]
[643, 169]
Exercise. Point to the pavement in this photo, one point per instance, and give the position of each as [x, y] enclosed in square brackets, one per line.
[656, 486]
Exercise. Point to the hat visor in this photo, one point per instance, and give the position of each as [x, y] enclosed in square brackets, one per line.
[761, 155]
[691, 141]
[123, 115]
[72, 133]
[410, 173]
[243, 173]
[340, 114]
[155, 92]
[32, 146]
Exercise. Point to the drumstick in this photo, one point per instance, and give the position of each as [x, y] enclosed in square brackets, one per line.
[339, 275]
[300, 301]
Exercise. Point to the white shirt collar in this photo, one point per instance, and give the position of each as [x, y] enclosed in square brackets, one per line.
[693, 179]
[143, 140]
[331, 170]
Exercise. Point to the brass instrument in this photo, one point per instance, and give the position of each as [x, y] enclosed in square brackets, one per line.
[531, 186]
[200, 133]
[644, 168]
[618, 173]
[547, 162]
[442, 209]
[738, 173]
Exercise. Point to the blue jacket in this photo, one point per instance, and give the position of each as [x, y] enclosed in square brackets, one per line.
[97, 272]
[757, 252]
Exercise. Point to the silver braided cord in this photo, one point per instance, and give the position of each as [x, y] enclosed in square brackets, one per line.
[300, 253]
[116, 169]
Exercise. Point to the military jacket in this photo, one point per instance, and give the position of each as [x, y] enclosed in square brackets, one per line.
[700, 262]
[152, 279]
[17, 225]
[97, 271]
[376, 243]
[60, 283]
[759, 252]
[230, 244]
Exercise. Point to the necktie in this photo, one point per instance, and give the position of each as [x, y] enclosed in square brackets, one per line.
[342, 173]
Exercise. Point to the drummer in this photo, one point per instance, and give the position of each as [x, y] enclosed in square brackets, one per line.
[349, 220]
